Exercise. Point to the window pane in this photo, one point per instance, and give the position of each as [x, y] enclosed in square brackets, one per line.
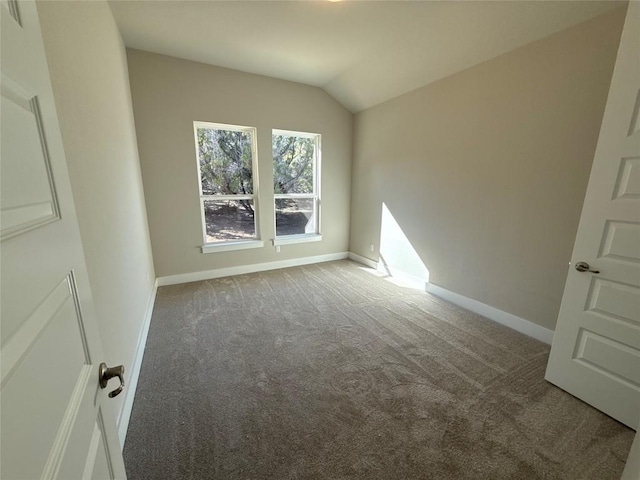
[225, 160]
[293, 164]
[295, 216]
[229, 220]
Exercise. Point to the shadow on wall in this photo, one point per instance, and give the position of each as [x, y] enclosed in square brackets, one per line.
[398, 258]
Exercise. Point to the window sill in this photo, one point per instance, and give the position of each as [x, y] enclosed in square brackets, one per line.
[291, 239]
[230, 246]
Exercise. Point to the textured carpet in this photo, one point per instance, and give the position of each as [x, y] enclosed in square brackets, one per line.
[329, 372]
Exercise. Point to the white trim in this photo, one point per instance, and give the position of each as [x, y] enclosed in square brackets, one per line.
[293, 133]
[254, 196]
[130, 391]
[242, 269]
[223, 126]
[317, 177]
[229, 246]
[284, 196]
[363, 260]
[407, 279]
[226, 198]
[504, 318]
[516, 323]
[302, 238]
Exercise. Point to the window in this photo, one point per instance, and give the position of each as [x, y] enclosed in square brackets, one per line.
[296, 186]
[228, 185]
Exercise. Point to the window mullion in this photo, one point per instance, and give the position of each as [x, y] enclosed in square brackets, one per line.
[294, 195]
[223, 198]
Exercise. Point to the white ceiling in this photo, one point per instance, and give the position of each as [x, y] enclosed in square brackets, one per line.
[361, 52]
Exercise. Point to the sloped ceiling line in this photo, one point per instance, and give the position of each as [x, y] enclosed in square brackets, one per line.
[361, 52]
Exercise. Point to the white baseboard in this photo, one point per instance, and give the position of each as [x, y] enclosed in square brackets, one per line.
[403, 277]
[504, 318]
[132, 384]
[516, 323]
[406, 279]
[242, 269]
[363, 260]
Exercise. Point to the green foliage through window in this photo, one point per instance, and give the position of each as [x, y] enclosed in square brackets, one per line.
[225, 162]
[293, 164]
[295, 182]
[225, 158]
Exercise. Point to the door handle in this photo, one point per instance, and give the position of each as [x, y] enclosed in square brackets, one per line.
[584, 267]
[107, 373]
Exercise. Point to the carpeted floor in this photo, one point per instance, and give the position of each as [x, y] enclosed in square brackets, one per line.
[330, 372]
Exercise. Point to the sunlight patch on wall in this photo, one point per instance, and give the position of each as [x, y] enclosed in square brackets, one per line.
[398, 258]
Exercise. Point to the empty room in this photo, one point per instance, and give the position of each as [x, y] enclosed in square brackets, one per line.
[320, 239]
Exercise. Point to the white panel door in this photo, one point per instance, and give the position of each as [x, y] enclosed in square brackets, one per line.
[55, 419]
[596, 346]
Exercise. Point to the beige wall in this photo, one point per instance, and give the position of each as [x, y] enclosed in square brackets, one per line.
[168, 95]
[485, 171]
[87, 62]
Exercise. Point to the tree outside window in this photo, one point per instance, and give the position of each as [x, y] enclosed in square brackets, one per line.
[226, 164]
[296, 182]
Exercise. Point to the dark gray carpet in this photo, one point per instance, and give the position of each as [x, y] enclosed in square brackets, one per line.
[329, 372]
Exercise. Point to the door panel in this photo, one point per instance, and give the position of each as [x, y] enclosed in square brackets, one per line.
[596, 347]
[628, 184]
[614, 300]
[51, 404]
[621, 241]
[27, 196]
[97, 465]
[27, 200]
[29, 379]
[608, 357]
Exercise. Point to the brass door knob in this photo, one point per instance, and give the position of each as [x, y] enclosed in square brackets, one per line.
[107, 373]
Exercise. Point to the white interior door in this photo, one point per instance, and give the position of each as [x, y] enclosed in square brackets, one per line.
[55, 419]
[596, 347]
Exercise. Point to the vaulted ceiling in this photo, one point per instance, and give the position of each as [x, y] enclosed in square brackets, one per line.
[361, 52]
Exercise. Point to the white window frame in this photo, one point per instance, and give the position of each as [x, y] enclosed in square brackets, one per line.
[236, 244]
[316, 236]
